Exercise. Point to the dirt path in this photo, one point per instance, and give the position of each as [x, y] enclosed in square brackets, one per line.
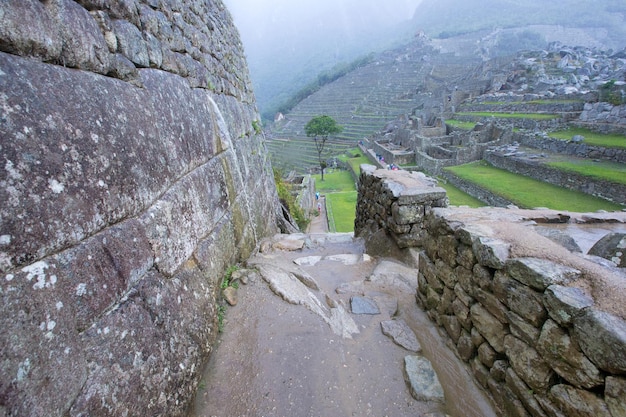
[319, 224]
[276, 358]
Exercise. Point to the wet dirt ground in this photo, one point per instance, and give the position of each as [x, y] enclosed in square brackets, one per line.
[281, 359]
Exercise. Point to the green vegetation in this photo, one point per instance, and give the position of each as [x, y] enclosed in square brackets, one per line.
[537, 102]
[221, 315]
[461, 124]
[592, 138]
[228, 275]
[355, 159]
[341, 208]
[458, 197]
[256, 126]
[322, 79]
[502, 115]
[527, 192]
[341, 196]
[288, 199]
[606, 171]
[319, 128]
[612, 93]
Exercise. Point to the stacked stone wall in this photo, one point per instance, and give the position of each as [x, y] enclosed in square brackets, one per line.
[604, 189]
[394, 207]
[604, 117]
[565, 147]
[533, 339]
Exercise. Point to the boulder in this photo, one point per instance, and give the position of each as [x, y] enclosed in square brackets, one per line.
[611, 247]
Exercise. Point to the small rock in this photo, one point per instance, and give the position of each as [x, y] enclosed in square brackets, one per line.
[363, 305]
[401, 334]
[306, 279]
[422, 379]
[330, 302]
[230, 295]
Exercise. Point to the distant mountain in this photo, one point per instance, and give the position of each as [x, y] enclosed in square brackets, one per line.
[572, 22]
[289, 43]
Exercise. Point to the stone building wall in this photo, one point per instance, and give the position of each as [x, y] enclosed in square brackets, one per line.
[532, 336]
[132, 177]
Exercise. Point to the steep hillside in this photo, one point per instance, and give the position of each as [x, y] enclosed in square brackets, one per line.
[365, 100]
[595, 23]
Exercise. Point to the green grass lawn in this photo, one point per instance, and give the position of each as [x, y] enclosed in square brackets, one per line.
[340, 191]
[592, 138]
[341, 208]
[502, 115]
[601, 170]
[355, 162]
[527, 192]
[460, 124]
[458, 197]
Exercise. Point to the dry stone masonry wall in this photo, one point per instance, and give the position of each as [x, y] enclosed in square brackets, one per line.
[528, 327]
[131, 177]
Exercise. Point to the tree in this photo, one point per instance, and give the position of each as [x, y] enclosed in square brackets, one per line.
[319, 128]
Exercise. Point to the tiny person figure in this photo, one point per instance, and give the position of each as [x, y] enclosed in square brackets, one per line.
[319, 208]
[317, 195]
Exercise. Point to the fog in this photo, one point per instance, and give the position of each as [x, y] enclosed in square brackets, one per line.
[288, 43]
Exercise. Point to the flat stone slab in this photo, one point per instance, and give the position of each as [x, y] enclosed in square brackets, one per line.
[289, 244]
[401, 334]
[422, 379]
[347, 259]
[363, 305]
[307, 260]
[396, 275]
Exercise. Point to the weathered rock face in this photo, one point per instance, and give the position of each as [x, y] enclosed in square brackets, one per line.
[132, 176]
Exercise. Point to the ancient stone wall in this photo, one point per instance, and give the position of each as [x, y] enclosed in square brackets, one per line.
[132, 178]
[604, 117]
[535, 169]
[532, 332]
[394, 206]
[568, 147]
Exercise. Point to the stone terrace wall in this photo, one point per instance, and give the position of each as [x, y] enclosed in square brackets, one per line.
[535, 341]
[578, 149]
[604, 117]
[124, 195]
[535, 169]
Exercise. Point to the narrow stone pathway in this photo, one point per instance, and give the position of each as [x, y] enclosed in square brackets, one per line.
[322, 329]
[319, 224]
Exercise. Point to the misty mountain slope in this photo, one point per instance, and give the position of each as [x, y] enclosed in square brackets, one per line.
[289, 43]
[366, 99]
[605, 20]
